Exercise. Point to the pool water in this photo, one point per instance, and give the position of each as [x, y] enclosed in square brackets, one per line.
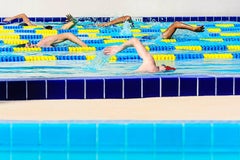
[219, 38]
[82, 140]
[46, 155]
[122, 140]
[61, 69]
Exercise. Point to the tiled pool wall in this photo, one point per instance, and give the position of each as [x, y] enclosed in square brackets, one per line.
[123, 87]
[143, 19]
[120, 140]
[119, 88]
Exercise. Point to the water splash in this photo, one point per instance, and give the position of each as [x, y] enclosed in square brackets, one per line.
[97, 63]
[126, 29]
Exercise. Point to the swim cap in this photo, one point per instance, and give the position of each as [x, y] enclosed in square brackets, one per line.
[48, 27]
[23, 24]
[169, 68]
[20, 45]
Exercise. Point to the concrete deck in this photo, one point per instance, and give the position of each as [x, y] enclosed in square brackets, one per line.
[179, 108]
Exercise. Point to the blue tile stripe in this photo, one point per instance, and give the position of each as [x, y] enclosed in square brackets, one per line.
[144, 19]
[149, 137]
[115, 87]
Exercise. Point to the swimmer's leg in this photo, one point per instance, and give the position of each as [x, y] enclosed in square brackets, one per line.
[179, 25]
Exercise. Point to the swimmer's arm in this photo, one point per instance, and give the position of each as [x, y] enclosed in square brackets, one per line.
[121, 20]
[134, 42]
[8, 19]
[117, 21]
[23, 16]
[141, 50]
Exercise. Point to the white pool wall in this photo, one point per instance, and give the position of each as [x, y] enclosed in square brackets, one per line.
[113, 8]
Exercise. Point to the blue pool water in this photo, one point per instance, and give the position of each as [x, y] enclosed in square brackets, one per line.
[68, 69]
[123, 140]
[213, 41]
[207, 63]
[173, 140]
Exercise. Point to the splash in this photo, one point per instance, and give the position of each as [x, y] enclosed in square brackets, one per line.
[97, 63]
[126, 29]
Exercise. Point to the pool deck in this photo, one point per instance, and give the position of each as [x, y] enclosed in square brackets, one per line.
[150, 109]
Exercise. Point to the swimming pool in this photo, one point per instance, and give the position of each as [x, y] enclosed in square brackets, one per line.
[205, 60]
[63, 74]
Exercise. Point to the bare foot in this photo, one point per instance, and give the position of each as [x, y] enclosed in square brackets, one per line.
[199, 29]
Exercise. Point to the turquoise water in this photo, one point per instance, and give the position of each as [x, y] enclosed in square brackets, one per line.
[124, 140]
[188, 140]
[101, 67]
[54, 69]
[46, 155]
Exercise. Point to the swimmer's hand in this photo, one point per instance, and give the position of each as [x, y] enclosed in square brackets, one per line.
[8, 19]
[132, 23]
[70, 18]
[112, 50]
[199, 29]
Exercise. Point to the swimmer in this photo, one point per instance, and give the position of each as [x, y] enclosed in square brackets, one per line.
[26, 21]
[148, 64]
[117, 21]
[50, 41]
[165, 35]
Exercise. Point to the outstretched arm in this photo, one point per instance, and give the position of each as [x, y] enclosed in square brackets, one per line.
[148, 64]
[179, 25]
[117, 21]
[48, 41]
[141, 50]
[23, 16]
[71, 37]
